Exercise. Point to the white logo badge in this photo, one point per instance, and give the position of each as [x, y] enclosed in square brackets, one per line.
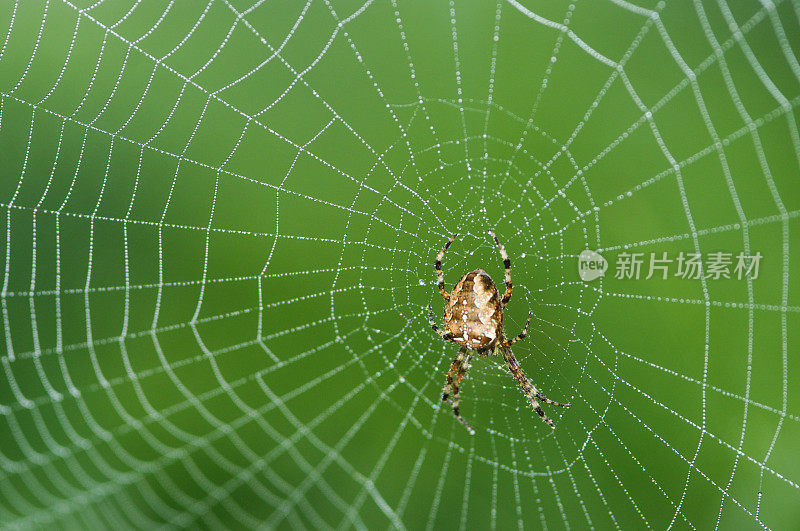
[591, 265]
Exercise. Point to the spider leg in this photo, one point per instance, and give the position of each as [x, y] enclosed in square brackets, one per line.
[447, 336]
[507, 265]
[459, 367]
[438, 266]
[456, 399]
[522, 334]
[530, 390]
[543, 398]
[454, 370]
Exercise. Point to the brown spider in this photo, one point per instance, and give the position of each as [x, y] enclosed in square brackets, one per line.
[473, 318]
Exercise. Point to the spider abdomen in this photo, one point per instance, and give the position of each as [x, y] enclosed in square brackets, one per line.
[474, 313]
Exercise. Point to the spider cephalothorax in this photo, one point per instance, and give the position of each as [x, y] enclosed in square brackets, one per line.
[473, 318]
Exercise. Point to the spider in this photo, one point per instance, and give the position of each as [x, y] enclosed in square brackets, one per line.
[473, 319]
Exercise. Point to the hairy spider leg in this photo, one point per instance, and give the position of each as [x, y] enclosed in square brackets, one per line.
[438, 266]
[455, 367]
[457, 387]
[453, 380]
[447, 336]
[507, 265]
[530, 390]
[522, 334]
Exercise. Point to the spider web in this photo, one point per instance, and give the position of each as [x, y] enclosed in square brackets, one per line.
[220, 224]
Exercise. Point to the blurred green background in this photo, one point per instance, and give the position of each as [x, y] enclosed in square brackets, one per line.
[218, 228]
